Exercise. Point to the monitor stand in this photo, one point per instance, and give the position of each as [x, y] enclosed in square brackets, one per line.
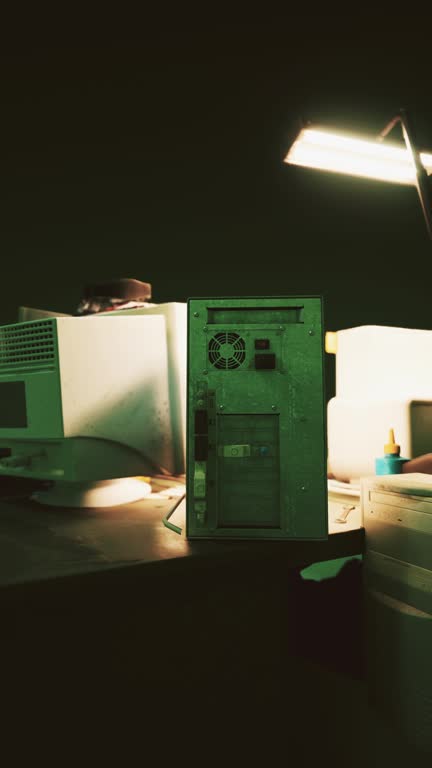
[104, 493]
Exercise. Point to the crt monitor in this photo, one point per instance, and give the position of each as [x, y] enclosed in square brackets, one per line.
[85, 404]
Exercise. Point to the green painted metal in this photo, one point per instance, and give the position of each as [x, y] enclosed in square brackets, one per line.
[256, 438]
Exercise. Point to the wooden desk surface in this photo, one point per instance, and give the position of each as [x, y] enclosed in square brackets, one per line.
[40, 542]
[110, 610]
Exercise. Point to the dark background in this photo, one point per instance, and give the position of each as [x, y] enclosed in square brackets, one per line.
[153, 148]
[155, 151]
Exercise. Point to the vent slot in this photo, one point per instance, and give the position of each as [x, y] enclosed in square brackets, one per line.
[27, 346]
[254, 315]
[226, 350]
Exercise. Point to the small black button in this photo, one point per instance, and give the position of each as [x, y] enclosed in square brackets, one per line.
[262, 343]
[265, 362]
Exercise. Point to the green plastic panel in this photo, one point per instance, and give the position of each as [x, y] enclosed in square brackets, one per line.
[256, 439]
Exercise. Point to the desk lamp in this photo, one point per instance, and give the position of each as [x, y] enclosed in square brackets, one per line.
[316, 147]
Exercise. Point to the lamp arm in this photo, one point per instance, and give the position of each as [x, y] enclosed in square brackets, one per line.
[422, 180]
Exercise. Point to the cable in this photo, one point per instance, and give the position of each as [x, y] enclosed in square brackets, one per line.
[165, 520]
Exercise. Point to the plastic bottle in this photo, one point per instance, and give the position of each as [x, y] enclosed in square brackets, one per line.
[391, 463]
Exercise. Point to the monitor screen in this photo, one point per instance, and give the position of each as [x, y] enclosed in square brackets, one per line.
[13, 407]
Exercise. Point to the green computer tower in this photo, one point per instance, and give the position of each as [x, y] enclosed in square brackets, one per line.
[256, 437]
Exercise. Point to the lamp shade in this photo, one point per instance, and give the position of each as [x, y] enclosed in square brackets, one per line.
[356, 156]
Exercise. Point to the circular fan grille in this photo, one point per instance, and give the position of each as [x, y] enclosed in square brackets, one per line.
[226, 350]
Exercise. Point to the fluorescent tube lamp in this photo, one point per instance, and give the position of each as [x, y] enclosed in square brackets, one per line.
[316, 147]
[319, 148]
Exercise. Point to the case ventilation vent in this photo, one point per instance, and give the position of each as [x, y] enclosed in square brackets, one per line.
[226, 350]
[26, 346]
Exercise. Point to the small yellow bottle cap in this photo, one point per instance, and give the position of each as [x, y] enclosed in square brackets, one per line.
[391, 447]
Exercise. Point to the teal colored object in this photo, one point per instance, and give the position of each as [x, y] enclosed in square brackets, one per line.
[389, 465]
[392, 462]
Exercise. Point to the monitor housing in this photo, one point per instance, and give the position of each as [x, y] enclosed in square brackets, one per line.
[85, 403]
